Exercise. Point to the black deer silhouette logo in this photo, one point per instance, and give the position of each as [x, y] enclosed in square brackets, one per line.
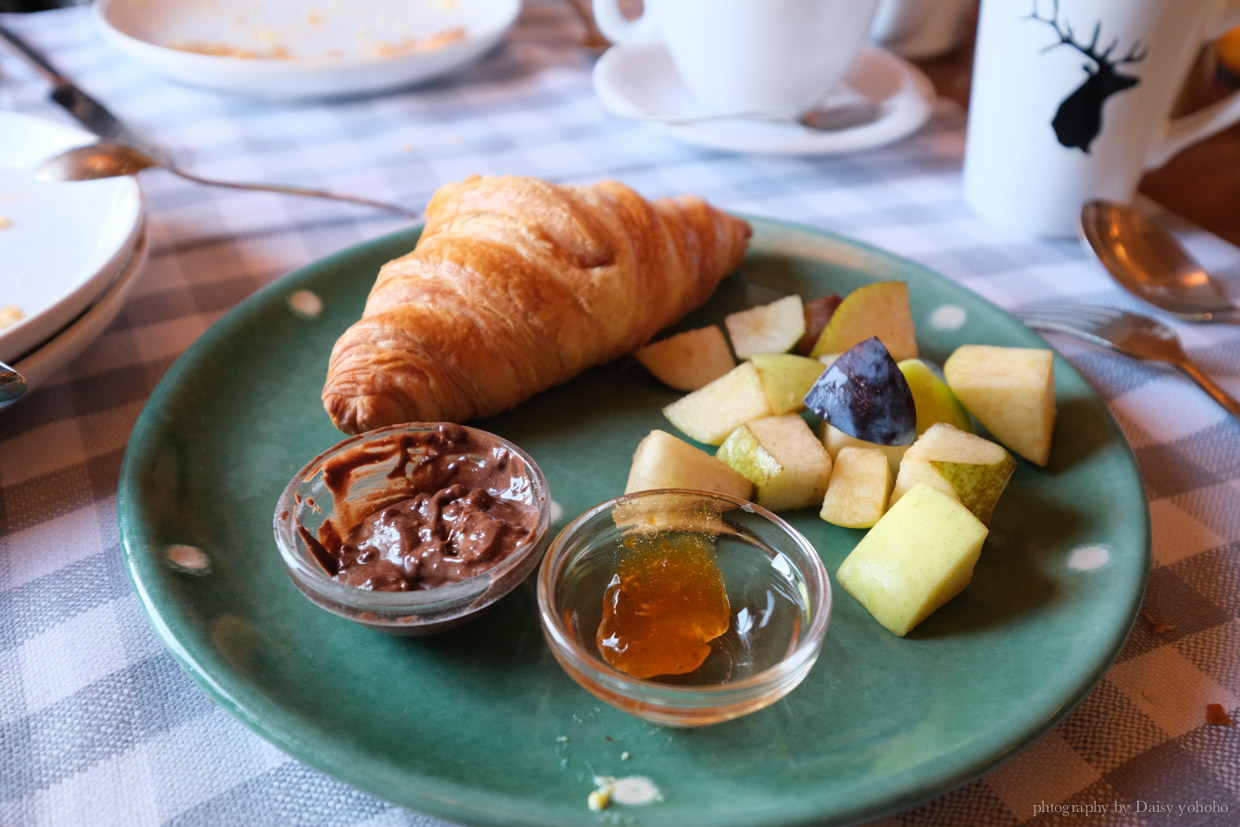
[1079, 118]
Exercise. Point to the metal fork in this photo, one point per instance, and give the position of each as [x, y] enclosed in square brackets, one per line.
[1129, 333]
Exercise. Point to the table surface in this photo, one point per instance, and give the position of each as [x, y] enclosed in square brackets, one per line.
[100, 725]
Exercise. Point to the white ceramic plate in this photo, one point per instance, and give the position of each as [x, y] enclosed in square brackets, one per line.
[640, 82]
[292, 49]
[38, 366]
[62, 244]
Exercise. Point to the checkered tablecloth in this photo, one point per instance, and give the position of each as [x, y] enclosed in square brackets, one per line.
[98, 724]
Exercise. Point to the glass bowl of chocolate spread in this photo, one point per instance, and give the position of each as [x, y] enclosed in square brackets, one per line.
[413, 529]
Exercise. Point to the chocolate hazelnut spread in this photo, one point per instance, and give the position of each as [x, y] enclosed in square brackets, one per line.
[456, 504]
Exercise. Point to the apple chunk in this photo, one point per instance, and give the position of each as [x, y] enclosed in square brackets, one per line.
[836, 440]
[858, 489]
[920, 555]
[781, 456]
[880, 309]
[1011, 391]
[933, 400]
[865, 395]
[768, 328]
[663, 461]
[966, 467]
[710, 413]
[786, 378]
[690, 360]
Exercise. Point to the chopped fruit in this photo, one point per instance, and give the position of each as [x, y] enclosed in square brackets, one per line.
[663, 461]
[865, 395]
[835, 440]
[1011, 392]
[786, 378]
[710, 413]
[920, 555]
[933, 400]
[787, 464]
[817, 313]
[664, 605]
[858, 489]
[768, 328]
[689, 360]
[966, 467]
[880, 309]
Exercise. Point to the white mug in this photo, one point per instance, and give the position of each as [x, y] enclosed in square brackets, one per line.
[1071, 100]
[749, 55]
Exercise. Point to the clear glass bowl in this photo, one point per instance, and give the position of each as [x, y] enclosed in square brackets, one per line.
[307, 503]
[777, 587]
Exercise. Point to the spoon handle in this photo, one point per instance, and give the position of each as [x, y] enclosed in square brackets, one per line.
[289, 190]
[1231, 316]
[12, 385]
[1207, 384]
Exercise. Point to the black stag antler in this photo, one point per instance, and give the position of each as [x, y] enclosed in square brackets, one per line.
[1080, 115]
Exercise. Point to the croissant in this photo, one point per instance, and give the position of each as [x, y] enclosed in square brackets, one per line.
[517, 285]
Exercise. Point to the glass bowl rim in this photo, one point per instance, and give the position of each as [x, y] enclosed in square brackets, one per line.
[441, 597]
[807, 649]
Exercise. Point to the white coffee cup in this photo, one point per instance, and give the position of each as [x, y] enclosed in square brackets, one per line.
[1071, 100]
[749, 55]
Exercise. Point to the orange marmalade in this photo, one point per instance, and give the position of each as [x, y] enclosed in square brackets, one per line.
[663, 606]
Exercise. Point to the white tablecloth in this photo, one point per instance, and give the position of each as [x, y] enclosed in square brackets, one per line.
[98, 724]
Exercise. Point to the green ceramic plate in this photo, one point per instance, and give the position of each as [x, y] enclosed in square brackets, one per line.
[480, 724]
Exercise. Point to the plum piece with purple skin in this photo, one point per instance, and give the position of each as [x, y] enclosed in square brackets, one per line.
[865, 395]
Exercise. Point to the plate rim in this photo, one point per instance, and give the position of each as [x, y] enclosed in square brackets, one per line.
[485, 806]
[33, 332]
[302, 78]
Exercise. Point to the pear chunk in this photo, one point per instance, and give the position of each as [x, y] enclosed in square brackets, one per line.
[968, 468]
[710, 413]
[858, 489]
[933, 400]
[836, 440]
[663, 461]
[786, 378]
[920, 555]
[1011, 392]
[880, 309]
[768, 328]
[780, 455]
[690, 360]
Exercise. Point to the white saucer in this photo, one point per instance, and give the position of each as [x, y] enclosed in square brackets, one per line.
[291, 49]
[39, 365]
[61, 243]
[640, 82]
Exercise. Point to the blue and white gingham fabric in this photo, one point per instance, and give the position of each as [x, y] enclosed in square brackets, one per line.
[98, 725]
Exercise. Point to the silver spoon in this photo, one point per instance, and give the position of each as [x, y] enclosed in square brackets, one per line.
[819, 119]
[1148, 261]
[12, 385]
[108, 159]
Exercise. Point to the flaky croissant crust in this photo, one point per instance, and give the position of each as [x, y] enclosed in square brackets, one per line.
[516, 285]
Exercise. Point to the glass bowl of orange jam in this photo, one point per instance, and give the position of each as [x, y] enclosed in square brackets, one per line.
[684, 608]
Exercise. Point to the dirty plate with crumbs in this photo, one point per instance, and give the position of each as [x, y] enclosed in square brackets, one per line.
[298, 49]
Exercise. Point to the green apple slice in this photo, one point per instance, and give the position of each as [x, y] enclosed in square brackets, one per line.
[932, 399]
[920, 555]
[786, 378]
[880, 309]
